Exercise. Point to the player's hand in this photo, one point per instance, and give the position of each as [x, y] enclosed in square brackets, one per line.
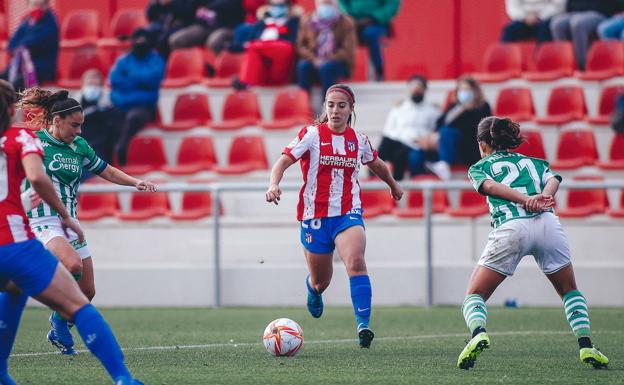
[273, 194]
[30, 199]
[397, 191]
[69, 223]
[539, 202]
[145, 185]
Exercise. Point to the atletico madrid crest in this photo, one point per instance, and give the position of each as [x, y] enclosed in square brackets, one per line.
[308, 237]
[351, 145]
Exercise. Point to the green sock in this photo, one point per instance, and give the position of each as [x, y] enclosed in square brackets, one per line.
[475, 312]
[577, 313]
[77, 277]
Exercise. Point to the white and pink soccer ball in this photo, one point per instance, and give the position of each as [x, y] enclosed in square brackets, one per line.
[283, 337]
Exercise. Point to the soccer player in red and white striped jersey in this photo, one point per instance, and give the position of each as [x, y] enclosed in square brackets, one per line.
[329, 208]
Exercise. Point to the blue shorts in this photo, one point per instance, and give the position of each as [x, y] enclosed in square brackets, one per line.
[317, 235]
[28, 264]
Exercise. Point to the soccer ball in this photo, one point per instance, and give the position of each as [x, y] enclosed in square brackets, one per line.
[283, 337]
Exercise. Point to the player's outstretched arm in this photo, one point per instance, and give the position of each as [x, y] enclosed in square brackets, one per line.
[379, 168]
[117, 176]
[41, 183]
[277, 173]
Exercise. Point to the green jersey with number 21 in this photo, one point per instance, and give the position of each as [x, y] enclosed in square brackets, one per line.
[521, 173]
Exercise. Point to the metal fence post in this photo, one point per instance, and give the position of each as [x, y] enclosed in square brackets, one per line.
[216, 213]
[428, 195]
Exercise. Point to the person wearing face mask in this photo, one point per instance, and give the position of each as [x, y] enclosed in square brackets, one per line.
[135, 83]
[326, 46]
[34, 47]
[270, 54]
[457, 129]
[409, 121]
[101, 119]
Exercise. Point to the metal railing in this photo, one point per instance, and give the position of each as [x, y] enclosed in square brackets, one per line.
[427, 187]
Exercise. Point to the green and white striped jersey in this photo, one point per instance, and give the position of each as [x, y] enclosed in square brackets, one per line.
[63, 163]
[521, 173]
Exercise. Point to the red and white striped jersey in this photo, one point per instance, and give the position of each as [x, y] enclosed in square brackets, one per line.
[330, 164]
[14, 145]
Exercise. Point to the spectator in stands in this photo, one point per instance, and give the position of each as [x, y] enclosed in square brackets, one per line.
[579, 23]
[326, 46]
[243, 32]
[455, 140]
[135, 82]
[212, 26]
[101, 119]
[612, 28]
[617, 119]
[530, 19]
[411, 120]
[165, 17]
[373, 19]
[270, 54]
[34, 47]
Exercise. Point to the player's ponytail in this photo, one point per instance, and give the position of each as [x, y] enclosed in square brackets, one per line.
[42, 105]
[346, 90]
[499, 133]
[7, 99]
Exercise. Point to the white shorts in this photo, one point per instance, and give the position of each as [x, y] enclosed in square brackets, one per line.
[48, 228]
[541, 236]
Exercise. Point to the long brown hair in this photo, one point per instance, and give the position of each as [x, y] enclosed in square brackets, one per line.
[8, 97]
[499, 133]
[344, 89]
[42, 105]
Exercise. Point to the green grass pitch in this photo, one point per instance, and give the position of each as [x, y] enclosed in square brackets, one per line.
[412, 346]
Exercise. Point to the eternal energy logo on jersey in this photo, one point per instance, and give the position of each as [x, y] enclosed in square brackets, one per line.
[59, 162]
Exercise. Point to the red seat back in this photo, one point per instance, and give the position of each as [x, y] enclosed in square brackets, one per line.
[515, 103]
[80, 61]
[248, 149]
[577, 144]
[554, 56]
[416, 199]
[567, 100]
[197, 149]
[608, 96]
[156, 203]
[533, 145]
[470, 199]
[376, 202]
[104, 204]
[185, 62]
[241, 105]
[228, 64]
[125, 21]
[81, 24]
[616, 151]
[146, 151]
[292, 103]
[500, 57]
[595, 198]
[192, 106]
[605, 55]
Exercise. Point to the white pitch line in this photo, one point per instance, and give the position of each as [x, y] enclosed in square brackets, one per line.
[335, 341]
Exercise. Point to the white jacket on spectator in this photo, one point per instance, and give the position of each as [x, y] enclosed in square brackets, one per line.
[409, 121]
[545, 9]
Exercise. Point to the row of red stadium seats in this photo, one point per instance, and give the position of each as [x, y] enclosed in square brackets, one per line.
[550, 61]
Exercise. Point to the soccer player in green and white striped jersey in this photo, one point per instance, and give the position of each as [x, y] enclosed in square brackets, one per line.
[520, 192]
[65, 155]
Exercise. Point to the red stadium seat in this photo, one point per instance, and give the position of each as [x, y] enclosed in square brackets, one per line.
[616, 154]
[227, 65]
[144, 205]
[501, 62]
[80, 28]
[606, 106]
[582, 203]
[553, 60]
[619, 212]
[533, 145]
[73, 64]
[576, 148]
[471, 204]
[195, 205]
[4, 35]
[291, 108]
[195, 154]
[416, 203]
[605, 60]
[515, 103]
[190, 110]
[240, 109]
[123, 23]
[565, 104]
[145, 154]
[94, 206]
[376, 203]
[246, 154]
[528, 53]
[184, 67]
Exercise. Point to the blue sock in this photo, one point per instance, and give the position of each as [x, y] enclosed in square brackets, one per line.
[100, 340]
[11, 308]
[361, 294]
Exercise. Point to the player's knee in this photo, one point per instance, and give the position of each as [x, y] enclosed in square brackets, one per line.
[74, 266]
[356, 264]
